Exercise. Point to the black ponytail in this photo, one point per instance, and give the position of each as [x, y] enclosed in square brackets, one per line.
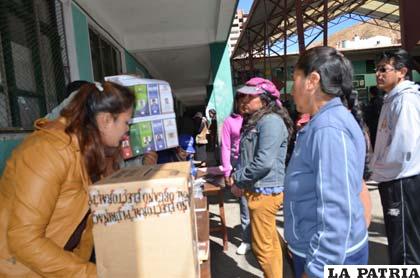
[335, 70]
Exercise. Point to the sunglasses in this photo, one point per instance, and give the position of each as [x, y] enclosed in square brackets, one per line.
[383, 69]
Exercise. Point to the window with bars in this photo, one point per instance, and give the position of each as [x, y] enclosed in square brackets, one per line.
[33, 60]
[106, 59]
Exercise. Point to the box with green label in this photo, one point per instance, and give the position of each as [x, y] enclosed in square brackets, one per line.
[153, 126]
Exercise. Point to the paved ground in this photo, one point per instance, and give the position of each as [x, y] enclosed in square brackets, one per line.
[228, 264]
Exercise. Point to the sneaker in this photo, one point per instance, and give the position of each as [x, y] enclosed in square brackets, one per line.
[243, 248]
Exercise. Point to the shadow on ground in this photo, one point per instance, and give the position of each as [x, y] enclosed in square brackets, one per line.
[223, 265]
[226, 264]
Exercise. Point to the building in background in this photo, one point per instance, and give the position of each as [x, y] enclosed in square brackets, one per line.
[364, 35]
[357, 42]
[236, 29]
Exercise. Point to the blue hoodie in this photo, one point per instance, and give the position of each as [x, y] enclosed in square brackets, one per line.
[397, 148]
[324, 217]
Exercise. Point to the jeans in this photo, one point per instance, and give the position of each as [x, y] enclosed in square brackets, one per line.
[243, 208]
[246, 228]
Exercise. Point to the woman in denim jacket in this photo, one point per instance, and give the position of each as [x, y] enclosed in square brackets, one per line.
[263, 149]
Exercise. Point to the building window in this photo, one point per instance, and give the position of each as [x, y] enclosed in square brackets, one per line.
[106, 59]
[33, 61]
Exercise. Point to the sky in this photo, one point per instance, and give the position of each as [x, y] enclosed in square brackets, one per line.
[245, 5]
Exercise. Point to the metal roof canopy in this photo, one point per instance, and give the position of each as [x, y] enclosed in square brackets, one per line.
[171, 38]
[270, 21]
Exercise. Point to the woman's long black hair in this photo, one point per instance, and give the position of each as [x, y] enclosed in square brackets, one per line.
[335, 70]
[269, 106]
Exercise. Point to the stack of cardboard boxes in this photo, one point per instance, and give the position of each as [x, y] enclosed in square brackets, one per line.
[153, 127]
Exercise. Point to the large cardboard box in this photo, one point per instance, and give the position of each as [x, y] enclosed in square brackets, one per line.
[153, 127]
[144, 223]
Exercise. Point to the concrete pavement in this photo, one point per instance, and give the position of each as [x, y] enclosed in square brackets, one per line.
[229, 265]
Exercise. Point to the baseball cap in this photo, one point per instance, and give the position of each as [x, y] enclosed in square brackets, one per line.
[258, 86]
[186, 142]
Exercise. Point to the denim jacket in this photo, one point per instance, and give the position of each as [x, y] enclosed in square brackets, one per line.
[263, 154]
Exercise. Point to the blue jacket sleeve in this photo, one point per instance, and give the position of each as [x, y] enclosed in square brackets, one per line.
[330, 151]
[271, 132]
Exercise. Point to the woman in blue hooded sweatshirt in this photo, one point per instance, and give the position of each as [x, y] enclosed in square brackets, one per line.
[324, 216]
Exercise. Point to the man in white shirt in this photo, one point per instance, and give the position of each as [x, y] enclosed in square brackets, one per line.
[396, 160]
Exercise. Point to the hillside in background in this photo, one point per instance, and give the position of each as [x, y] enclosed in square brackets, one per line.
[364, 31]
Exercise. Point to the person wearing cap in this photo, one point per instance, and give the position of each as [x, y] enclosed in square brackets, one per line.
[323, 212]
[263, 147]
[396, 160]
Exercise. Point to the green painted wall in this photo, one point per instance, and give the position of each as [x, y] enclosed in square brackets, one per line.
[359, 67]
[81, 38]
[134, 67]
[221, 97]
[289, 85]
[370, 79]
[416, 76]
[6, 148]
